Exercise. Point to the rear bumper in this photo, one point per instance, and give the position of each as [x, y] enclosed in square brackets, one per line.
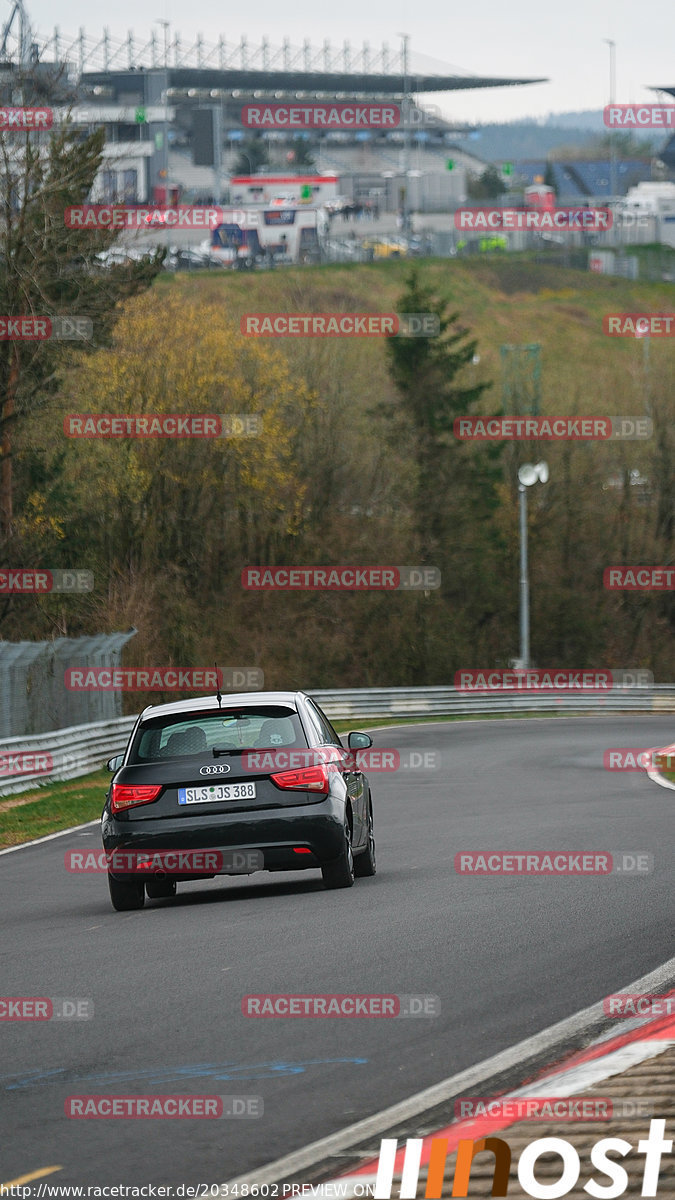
[273, 836]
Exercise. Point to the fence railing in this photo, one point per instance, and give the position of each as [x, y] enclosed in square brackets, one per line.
[69, 753]
[34, 697]
[60, 753]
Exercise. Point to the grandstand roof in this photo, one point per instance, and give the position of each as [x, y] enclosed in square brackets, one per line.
[331, 82]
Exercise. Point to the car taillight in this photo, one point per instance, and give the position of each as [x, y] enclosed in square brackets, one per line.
[126, 795]
[308, 779]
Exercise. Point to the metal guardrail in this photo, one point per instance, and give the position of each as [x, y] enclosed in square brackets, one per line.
[60, 754]
[449, 701]
[83, 748]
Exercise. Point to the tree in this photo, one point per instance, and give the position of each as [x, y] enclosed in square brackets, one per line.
[453, 486]
[49, 270]
[252, 155]
[425, 371]
[488, 186]
[302, 153]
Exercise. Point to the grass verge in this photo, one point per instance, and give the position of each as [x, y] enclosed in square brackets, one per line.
[52, 807]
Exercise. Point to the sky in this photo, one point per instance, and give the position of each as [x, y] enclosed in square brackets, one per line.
[563, 43]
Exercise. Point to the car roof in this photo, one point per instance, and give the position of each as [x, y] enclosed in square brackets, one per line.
[210, 703]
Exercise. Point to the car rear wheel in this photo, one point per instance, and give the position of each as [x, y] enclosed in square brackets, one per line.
[364, 863]
[340, 872]
[160, 889]
[126, 896]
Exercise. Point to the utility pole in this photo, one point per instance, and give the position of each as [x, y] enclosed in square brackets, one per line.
[165, 126]
[612, 98]
[218, 149]
[406, 137]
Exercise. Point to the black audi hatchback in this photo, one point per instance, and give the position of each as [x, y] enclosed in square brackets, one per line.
[231, 785]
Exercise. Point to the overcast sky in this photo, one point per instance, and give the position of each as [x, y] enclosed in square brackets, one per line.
[563, 42]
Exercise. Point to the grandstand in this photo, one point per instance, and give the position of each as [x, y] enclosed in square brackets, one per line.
[206, 104]
[583, 179]
[173, 110]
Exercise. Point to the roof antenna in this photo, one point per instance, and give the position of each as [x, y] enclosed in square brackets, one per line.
[218, 695]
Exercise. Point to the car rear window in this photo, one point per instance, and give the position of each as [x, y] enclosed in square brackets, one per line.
[235, 729]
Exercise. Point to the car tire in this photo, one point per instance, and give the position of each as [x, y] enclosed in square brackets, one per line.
[364, 863]
[160, 889]
[340, 872]
[126, 896]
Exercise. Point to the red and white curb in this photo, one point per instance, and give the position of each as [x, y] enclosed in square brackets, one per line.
[636, 1040]
[607, 1056]
[655, 775]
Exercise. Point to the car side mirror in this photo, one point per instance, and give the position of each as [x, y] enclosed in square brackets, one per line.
[114, 764]
[359, 741]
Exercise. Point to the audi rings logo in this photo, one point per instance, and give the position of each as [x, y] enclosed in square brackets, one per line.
[221, 769]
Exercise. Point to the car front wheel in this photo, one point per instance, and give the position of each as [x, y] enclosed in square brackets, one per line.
[126, 896]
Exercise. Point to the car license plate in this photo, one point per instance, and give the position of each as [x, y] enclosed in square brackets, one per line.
[216, 792]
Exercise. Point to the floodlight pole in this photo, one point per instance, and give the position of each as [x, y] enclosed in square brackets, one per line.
[527, 475]
[524, 582]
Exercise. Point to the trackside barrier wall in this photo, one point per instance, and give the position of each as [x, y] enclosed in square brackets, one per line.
[83, 748]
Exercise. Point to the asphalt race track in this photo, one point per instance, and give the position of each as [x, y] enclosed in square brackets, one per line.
[508, 956]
